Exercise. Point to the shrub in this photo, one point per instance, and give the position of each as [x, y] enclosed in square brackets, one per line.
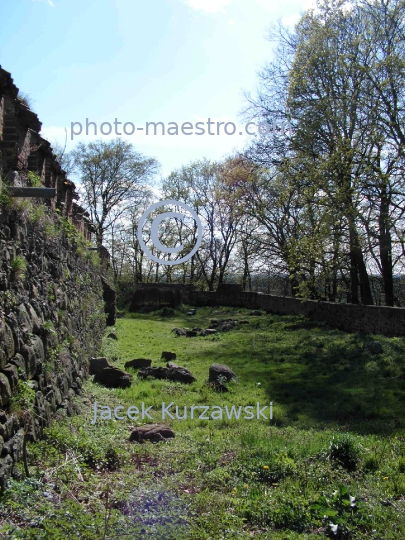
[345, 451]
[18, 266]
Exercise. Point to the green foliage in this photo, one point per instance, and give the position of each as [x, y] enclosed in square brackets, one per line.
[24, 399]
[18, 267]
[51, 292]
[34, 179]
[49, 327]
[5, 198]
[345, 451]
[75, 236]
[38, 214]
[337, 510]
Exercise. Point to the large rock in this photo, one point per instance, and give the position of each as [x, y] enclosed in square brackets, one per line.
[167, 355]
[6, 343]
[35, 320]
[108, 375]
[6, 467]
[113, 377]
[151, 432]
[220, 373]
[171, 365]
[177, 374]
[34, 355]
[19, 362]
[10, 371]
[209, 332]
[226, 326]
[5, 390]
[179, 331]
[138, 363]
[98, 364]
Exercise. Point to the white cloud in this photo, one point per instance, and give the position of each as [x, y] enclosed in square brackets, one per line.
[209, 6]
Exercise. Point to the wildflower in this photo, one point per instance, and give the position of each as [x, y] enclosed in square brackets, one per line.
[385, 478]
[334, 528]
[265, 467]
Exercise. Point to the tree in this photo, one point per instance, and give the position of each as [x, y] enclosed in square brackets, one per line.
[112, 176]
[202, 184]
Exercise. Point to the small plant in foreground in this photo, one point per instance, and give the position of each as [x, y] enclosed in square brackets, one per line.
[336, 510]
[18, 267]
[345, 451]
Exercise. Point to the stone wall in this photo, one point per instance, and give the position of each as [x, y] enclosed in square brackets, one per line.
[388, 321]
[155, 295]
[52, 319]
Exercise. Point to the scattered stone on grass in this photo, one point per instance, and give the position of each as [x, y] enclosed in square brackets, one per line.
[178, 374]
[191, 333]
[151, 432]
[137, 363]
[179, 331]
[256, 312]
[167, 355]
[171, 365]
[111, 335]
[108, 375]
[209, 332]
[226, 327]
[220, 373]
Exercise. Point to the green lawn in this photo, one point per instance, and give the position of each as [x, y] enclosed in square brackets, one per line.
[330, 464]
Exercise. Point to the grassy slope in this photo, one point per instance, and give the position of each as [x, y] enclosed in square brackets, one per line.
[231, 479]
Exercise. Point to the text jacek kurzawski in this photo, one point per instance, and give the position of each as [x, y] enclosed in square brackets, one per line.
[192, 412]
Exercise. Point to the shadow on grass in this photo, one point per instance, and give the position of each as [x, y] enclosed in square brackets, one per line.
[321, 377]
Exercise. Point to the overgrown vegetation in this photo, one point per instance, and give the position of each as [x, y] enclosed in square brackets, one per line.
[18, 267]
[331, 463]
[52, 224]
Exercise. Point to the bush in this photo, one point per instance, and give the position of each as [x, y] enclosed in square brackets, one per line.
[345, 451]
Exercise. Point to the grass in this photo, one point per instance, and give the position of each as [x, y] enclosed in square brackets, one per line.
[330, 464]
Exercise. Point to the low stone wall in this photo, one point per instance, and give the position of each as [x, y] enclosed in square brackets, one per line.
[160, 294]
[52, 319]
[349, 317]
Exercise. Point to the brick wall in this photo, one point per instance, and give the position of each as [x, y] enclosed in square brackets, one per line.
[22, 149]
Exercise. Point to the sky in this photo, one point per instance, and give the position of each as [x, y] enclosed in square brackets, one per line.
[143, 61]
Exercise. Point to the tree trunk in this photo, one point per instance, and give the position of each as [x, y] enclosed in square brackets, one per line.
[385, 245]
